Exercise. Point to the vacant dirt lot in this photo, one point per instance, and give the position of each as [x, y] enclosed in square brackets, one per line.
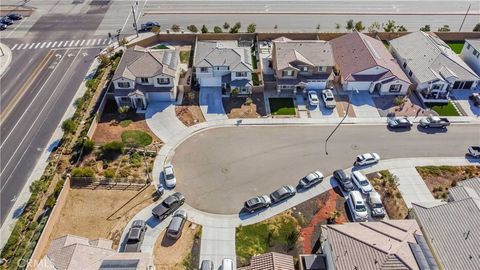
[189, 112]
[235, 107]
[100, 213]
[177, 254]
[411, 107]
[440, 178]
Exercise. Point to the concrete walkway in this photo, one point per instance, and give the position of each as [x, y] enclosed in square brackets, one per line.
[211, 103]
[163, 121]
[218, 243]
[412, 186]
[5, 58]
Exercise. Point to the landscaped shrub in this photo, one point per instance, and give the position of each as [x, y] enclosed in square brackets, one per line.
[135, 159]
[109, 173]
[83, 172]
[248, 101]
[112, 150]
[69, 126]
[125, 123]
[88, 146]
[136, 138]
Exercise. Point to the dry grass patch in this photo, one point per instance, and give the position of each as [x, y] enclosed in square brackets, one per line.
[189, 113]
[386, 184]
[440, 178]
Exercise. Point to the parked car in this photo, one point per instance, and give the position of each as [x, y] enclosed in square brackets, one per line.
[474, 151]
[160, 190]
[366, 159]
[15, 16]
[344, 180]
[256, 203]
[227, 264]
[6, 20]
[329, 99]
[361, 182]
[282, 193]
[169, 176]
[376, 205]
[399, 122]
[135, 236]
[206, 265]
[148, 26]
[311, 179]
[168, 206]
[3, 26]
[434, 122]
[475, 97]
[175, 227]
[313, 98]
[357, 206]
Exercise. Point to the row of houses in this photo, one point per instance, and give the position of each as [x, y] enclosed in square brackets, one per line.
[357, 62]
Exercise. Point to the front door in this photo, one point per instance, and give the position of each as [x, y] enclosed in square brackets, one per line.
[139, 103]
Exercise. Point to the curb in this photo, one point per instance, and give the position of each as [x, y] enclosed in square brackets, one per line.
[6, 59]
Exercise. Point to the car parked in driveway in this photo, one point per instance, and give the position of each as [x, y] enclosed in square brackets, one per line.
[175, 227]
[3, 26]
[357, 207]
[227, 264]
[399, 122]
[169, 176]
[311, 179]
[361, 182]
[344, 180]
[6, 20]
[375, 202]
[135, 236]
[168, 206]
[282, 193]
[15, 16]
[367, 159]
[206, 265]
[475, 98]
[257, 203]
[313, 98]
[329, 99]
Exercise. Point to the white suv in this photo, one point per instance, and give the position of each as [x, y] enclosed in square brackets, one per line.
[361, 182]
[357, 206]
[329, 99]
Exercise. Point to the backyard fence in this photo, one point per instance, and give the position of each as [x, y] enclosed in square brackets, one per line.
[107, 183]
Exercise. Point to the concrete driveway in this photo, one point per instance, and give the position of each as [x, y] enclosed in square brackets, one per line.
[320, 111]
[218, 169]
[363, 104]
[461, 97]
[163, 121]
[211, 103]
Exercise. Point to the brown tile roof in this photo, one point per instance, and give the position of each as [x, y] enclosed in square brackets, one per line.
[270, 261]
[356, 52]
[310, 52]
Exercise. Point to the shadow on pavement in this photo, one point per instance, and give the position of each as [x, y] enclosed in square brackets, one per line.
[431, 130]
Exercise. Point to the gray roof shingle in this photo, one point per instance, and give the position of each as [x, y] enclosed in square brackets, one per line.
[223, 53]
[311, 52]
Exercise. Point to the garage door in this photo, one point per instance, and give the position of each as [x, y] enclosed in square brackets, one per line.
[316, 85]
[211, 82]
[163, 96]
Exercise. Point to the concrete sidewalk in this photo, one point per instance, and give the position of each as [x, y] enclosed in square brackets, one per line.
[5, 58]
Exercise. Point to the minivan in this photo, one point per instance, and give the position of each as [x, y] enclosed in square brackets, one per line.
[175, 227]
[357, 206]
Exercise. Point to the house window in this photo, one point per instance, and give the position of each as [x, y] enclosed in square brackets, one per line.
[410, 73]
[163, 80]
[203, 70]
[123, 84]
[240, 74]
[125, 99]
[320, 69]
[143, 80]
[437, 86]
[394, 88]
[476, 53]
[304, 69]
[287, 73]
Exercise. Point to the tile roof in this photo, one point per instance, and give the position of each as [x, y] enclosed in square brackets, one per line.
[453, 229]
[311, 52]
[270, 261]
[355, 52]
[427, 56]
[475, 43]
[223, 53]
[373, 245]
[139, 62]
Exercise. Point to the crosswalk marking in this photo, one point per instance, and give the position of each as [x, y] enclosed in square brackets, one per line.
[31, 46]
[76, 43]
[20, 47]
[14, 46]
[48, 44]
[71, 43]
[60, 44]
[83, 41]
[43, 45]
[105, 41]
[38, 45]
[54, 44]
[66, 43]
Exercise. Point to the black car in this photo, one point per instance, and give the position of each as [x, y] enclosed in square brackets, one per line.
[6, 20]
[15, 16]
[148, 26]
[344, 180]
[135, 236]
[399, 122]
[3, 26]
[168, 206]
[256, 203]
[282, 193]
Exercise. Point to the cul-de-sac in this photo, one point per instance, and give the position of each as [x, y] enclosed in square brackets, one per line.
[249, 135]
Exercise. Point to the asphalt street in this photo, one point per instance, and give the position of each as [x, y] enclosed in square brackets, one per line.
[218, 169]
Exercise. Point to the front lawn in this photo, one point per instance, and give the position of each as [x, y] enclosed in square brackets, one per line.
[446, 110]
[161, 47]
[136, 137]
[456, 46]
[282, 106]
[184, 57]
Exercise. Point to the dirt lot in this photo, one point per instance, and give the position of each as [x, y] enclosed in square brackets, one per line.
[440, 178]
[108, 131]
[342, 104]
[386, 185]
[100, 213]
[189, 112]
[411, 107]
[179, 254]
[235, 107]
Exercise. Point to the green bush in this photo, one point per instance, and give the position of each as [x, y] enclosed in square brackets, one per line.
[109, 173]
[69, 126]
[135, 159]
[83, 172]
[50, 202]
[112, 150]
[398, 101]
[125, 123]
[248, 101]
[204, 29]
[136, 138]
[217, 29]
[192, 28]
[88, 146]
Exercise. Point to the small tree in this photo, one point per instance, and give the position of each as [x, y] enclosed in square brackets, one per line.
[359, 26]
[204, 29]
[374, 27]
[425, 28]
[390, 26]
[275, 27]
[476, 28]
[123, 41]
[69, 126]
[337, 26]
[444, 28]
[88, 146]
[235, 92]
[156, 30]
[318, 27]
[192, 28]
[123, 110]
[251, 28]
[334, 215]
[175, 28]
[402, 28]
[236, 27]
[226, 26]
[350, 25]
[217, 29]
[104, 59]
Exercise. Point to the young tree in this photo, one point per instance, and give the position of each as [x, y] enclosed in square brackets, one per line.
[337, 26]
[226, 26]
[374, 27]
[104, 59]
[318, 27]
[425, 28]
[192, 28]
[123, 41]
[390, 26]
[359, 26]
[217, 29]
[236, 27]
[476, 28]
[402, 28]
[251, 28]
[444, 28]
[175, 28]
[204, 29]
[350, 25]
[156, 30]
[69, 126]
[275, 27]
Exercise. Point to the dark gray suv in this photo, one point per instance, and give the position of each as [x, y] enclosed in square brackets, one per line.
[344, 180]
[135, 236]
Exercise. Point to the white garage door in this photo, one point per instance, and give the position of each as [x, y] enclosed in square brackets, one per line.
[360, 86]
[211, 82]
[316, 85]
[161, 96]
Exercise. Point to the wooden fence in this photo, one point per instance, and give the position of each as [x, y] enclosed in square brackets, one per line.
[105, 183]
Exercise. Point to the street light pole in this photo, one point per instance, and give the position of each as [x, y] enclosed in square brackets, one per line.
[465, 17]
[341, 121]
[135, 18]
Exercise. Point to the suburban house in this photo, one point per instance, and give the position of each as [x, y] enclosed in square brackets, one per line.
[365, 64]
[452, 229]
[71, 252]
[146, 75]
[388, 244]
[432, 66]
[224, 64]
[471, 54]
[301, 64]
[270, 261]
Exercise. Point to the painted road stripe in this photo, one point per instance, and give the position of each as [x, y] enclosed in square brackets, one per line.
[26, 45]
[76, 43]
[60, 44]
[48, 44]
[38, 45]
[105, 41]
[99, 41]
[71, 43]
[14, 46]
[20, 47]
[83, 41]
[88, 42]
[31, 46]
[43, 45]
[54, 44]
[66, 43]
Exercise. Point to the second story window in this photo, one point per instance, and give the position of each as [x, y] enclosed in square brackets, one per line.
[287, 73]
[321, 69]
[143, 80]
[240, 74]
[203, 70]
[304, 69]
[163, 80]
[123, 84]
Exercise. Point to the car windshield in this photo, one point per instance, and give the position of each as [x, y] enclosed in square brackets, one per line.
[360, 208]
[329, 98]
[377, 205]
[363, 182]
[313, 96]
[169, 176]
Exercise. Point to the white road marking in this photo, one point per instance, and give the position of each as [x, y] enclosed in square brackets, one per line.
[99, 41]
[43, 45]
[88, 42]
[20, 47]
[71, 43]
[105, 41]
[60, 44]
[76, 43]
[31, 46]
[66, 43]
[54, 44]
[14, 46]
[48, 44]
[83, 41]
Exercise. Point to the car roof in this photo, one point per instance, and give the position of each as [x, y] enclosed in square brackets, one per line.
[138, 223]
[170, 199]
[359, 175]
[168, 168]
[356, 195]
[253, 201]
[135, 233]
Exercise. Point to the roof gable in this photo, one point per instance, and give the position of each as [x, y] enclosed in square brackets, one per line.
[310, 52]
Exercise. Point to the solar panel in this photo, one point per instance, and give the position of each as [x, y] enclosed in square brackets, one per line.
[119, 265]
